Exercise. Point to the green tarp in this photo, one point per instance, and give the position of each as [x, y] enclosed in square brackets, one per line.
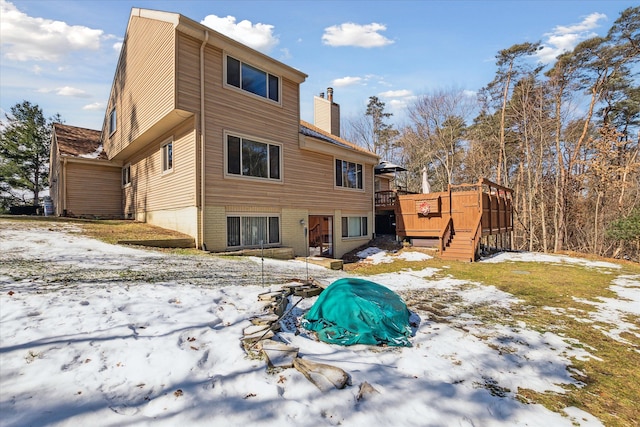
[357, 311]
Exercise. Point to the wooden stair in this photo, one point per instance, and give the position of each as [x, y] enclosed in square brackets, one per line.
[460, 247]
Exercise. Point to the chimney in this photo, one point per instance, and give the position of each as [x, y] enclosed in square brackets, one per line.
[326, 113]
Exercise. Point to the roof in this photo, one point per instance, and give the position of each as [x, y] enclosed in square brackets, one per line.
[78, 142]
[387, 167]
[308, 129]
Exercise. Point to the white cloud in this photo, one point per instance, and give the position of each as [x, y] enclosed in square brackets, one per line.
[396, 93]
[67, 91]
[27, 38]
[350, 34]
[117, 46]
[565, 38]
[95, 106]
[72, 91]
[399, 104]
[285, 54]
[397, 100]
[258, 36]
[346, 81]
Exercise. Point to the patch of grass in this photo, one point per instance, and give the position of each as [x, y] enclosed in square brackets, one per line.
[612, 383]
[555, 298]
[113, 231]
[397, 265]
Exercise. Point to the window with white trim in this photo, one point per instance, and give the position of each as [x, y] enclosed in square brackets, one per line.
[252, 79]
[246, 157]
[126, 175]
[256, 231]
[354, 226]
[167, 156]
[348, 174]
[112, 121]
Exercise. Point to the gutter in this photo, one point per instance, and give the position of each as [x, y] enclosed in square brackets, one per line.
[200, 240]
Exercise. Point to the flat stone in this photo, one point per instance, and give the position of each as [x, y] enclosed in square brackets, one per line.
[262, 335]
[271, 296]
[266, 319]
[254, 329]
[323, 376]
[279, 355]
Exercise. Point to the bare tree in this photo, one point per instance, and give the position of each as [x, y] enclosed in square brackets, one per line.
[435, 136]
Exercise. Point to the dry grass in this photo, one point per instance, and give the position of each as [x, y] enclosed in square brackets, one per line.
[113, 231]
[612, 383]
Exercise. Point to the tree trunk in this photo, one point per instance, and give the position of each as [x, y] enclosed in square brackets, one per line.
[595, 224]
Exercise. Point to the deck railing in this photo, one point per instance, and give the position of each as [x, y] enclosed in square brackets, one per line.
[387, 198]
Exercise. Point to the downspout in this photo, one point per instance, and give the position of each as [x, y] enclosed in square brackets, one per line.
[373, 201]
[64, 187]
[200, 243]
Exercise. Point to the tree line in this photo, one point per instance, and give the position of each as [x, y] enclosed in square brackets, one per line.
[564, 137]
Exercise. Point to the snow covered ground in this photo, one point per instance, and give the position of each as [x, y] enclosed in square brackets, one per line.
[97, 334]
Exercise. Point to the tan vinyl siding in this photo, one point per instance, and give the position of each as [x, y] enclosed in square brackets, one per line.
[384, 183]
[144, 85]
[152, 189]
[307, 177]
[92, 190]
[188, 73]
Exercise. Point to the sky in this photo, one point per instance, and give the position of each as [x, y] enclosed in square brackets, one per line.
[100, 334]
[62, 55]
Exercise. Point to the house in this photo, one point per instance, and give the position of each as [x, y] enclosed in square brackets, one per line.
[83, 182]
[206, 138]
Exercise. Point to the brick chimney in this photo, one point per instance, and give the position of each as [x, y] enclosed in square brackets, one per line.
[326, 113]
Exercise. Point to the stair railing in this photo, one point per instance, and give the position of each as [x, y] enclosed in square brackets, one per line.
[475, 240]
[445, 235]
[315, 235]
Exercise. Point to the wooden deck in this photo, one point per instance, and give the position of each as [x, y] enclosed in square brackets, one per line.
[386, 200]
[457, 219]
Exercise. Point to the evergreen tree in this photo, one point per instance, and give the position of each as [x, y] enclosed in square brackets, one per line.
[383, 133]
[25, 139]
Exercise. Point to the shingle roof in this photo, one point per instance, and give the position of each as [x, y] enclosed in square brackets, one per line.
[79, 142]
[310, 130]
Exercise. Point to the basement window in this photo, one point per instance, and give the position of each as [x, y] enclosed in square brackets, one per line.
[354, 226]
[253, 231]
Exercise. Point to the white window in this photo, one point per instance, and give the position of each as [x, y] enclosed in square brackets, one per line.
[354, 226]
[112, 121]
[253, 231]
[126, 175]
[167, 156]
[252, 79]
[348, 174]
[249, 158]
